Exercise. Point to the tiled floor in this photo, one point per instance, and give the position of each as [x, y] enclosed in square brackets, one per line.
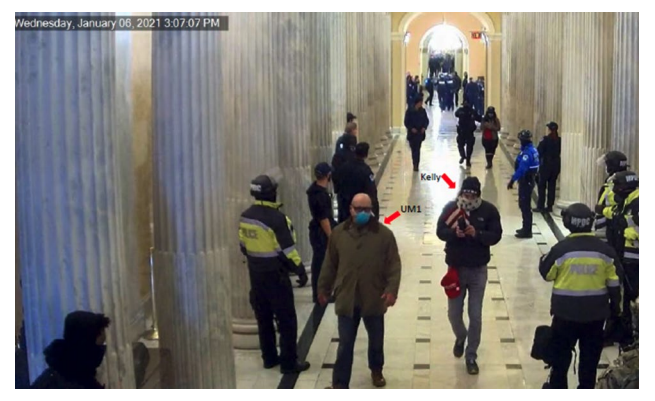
[418, 338]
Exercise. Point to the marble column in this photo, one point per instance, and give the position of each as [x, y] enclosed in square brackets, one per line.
[542, 83]
[251, 146]
[554, 32]
[572, 102]
[293, 120]
[192, 277]
[597, 71]
[494, 71]
[318, 41]
[354, 86]
[526, 70]
[69, 193]
[625, 105]
[337, 35]
[507, 82]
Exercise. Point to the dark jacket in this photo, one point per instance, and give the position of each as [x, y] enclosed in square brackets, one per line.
[586, 284]
[320, 206]
[72, 361]
[491, 127]
[345, 152]
[470, 251]
[417, 119]
[359, 178]
[550, 150]
[466, 120]
[471, 92]
[361, 263]
[458, 82]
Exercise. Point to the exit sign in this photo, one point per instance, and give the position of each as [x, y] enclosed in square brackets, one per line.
[476, 35]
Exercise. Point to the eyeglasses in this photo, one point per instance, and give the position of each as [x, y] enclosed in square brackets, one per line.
[361, 209]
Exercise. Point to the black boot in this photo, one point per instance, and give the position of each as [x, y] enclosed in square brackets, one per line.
[489, 161]
[300, 367]
[523, 234]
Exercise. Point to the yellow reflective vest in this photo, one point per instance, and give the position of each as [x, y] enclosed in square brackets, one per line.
[629, 214]
[585, 284]
[268, 239]
[605, 198]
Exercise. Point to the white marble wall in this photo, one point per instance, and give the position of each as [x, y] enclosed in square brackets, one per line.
[337, 35]
[625, 106]
[191, 257]
[70, 193]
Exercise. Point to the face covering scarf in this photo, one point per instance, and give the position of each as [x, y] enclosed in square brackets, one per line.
[468, 205]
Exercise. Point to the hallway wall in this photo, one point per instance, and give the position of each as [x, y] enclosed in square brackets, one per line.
[582, 71]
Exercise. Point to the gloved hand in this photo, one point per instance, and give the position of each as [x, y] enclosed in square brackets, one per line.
[302, 276]
[510, 184]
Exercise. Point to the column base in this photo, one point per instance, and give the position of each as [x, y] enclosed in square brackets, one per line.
[245, 334]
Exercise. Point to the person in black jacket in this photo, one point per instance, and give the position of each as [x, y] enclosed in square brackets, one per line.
[320, 228]
[469, 226]
[550, 149]
[465, 132]
[471, 92]
[457, 87]
[429, 86]
[73, 360]
[345, 152]
[416, 122]
[357, 177]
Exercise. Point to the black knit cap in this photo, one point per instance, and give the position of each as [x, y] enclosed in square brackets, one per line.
[471, 185]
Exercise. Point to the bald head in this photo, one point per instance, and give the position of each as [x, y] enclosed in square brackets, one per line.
[360, 203]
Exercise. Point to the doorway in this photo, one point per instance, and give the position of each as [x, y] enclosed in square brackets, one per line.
[444, 42]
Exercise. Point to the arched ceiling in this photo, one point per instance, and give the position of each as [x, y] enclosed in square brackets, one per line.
[485, 19]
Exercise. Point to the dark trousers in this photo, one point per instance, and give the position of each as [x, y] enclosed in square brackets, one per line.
[547, 180]
[319, 240]
[271, 297]
[490, 146]
[456, 98]
[465, 145]
[630, 294]
[565, 335]
[415, 145]
[430, 96]
[343, 206]
[347, 334]
[526, 186]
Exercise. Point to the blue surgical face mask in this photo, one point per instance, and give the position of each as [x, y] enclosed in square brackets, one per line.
[362, 218]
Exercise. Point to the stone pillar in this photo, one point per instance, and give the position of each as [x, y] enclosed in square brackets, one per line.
[319, 89]
[508, 103]
[337, 41]
[293, 117]
[597, 70]
[251, 146]
[526, 70]
[625, 106]
[354, 86]
[494, 71]
[191, 249]
[555, 35]
[542, 83]
[398, 81]
[69, 193]
[573, 38]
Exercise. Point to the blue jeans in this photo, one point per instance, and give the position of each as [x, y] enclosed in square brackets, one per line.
[347, 334]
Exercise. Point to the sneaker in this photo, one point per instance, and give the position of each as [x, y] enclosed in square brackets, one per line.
[472, 367]
[378, 379]
[523, 234]
[458, 349]
[300, 367]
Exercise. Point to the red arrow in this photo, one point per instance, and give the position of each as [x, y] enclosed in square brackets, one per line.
[394, 216]
[451, 184]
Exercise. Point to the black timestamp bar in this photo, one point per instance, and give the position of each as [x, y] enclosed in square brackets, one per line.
[122, 23]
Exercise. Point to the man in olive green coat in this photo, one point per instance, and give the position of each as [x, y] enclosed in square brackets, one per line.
[362, 267]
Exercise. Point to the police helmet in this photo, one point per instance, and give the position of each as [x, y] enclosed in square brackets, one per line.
[263, 188]
[616, 161]
[525, 135]
[625, 182]
[578, 218]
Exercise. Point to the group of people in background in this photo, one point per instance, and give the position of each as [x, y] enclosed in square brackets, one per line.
[448, 85]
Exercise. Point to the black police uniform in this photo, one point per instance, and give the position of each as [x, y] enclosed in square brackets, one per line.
[586, 291]
[359, 178]
[267, 239]
[441, 91]
[320, 206]
[416, 119]
[550, 149]
[465, 132]
[344, 153]
[429, 86]
[458, 85]
[450, 92]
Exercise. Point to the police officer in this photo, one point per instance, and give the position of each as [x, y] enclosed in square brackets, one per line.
[429, 86]
[585, 292]
[320, 228]
[268, 240]
[614, 162]
[457, 86]
[345, 152]
[550, 149]
[466, 132]
[623, 236]
[359, 178]
[450, 92]
[526, 167]
[441, 91]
